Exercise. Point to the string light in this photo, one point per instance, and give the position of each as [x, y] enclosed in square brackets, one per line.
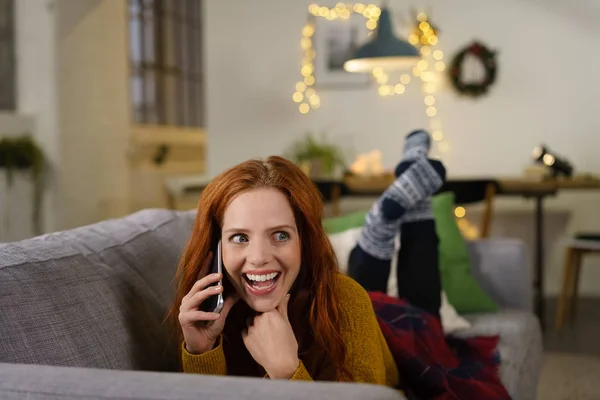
[424, 35]
[468, 230]
[341, 11]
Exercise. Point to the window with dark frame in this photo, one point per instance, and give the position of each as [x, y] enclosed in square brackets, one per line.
[8, 96]
[165, 41]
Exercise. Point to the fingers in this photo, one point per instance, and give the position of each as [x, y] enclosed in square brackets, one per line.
[201, 284]
[283, 306]
[191, 317]
[194, 299]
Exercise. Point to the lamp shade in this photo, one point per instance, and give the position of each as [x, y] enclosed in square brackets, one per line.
[385, 50]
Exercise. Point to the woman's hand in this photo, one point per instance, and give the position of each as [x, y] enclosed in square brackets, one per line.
[271, 342]
[200, 337]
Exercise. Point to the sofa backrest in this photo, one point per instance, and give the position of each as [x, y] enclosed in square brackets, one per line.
[94, 296]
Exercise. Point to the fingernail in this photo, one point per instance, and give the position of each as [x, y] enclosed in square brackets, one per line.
[217, 275]
[215, 315]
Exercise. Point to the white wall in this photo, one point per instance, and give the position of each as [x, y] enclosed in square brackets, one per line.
[547, 91]
[93, 98]
[36, 92]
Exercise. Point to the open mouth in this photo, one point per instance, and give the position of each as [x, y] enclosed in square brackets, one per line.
[261, 282]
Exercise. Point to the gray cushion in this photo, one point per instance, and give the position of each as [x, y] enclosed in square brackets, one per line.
[36, 382]
[520, 348]
[501, 268]
[95, 296]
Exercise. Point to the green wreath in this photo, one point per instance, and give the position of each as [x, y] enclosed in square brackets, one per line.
[488, 59]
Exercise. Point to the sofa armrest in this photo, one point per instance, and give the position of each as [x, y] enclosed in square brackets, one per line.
[40, 382]
[502, 269]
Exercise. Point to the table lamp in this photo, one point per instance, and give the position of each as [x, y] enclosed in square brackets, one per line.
[557, 165]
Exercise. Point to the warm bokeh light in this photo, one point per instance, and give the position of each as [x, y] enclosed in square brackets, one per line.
[304, 108]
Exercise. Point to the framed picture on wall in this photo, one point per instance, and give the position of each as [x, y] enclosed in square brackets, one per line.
[334, 43]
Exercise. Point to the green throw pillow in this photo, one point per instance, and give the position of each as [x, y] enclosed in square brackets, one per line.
[463, 291]
[345, 222]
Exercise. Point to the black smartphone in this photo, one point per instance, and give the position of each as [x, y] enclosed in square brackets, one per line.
[215, 303]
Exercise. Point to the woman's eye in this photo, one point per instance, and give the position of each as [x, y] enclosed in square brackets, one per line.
[239, 238]
[281, 236]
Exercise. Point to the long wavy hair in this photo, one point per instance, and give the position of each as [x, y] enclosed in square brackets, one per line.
[318, 264]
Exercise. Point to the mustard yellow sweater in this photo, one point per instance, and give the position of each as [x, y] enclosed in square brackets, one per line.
[368, 356]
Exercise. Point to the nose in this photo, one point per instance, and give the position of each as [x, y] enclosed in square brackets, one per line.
[259, 253]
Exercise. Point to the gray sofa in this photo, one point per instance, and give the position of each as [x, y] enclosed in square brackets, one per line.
[81, 316]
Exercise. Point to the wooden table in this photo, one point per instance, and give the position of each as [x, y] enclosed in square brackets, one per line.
[523, 187]
[539, 191]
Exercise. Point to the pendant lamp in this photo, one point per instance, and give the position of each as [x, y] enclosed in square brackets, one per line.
[385, 50]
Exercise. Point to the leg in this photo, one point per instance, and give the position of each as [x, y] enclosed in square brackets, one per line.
[566, 286]
[539, 259]
[575, 288]
[486, 225]
[370, 272]
[418, 271]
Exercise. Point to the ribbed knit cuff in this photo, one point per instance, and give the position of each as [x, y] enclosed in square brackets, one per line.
[301, 374]
[210, 363]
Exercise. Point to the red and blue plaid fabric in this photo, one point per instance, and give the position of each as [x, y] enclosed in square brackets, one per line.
[435, 366]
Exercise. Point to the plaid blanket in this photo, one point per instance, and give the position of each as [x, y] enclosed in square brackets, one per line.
[435, 366]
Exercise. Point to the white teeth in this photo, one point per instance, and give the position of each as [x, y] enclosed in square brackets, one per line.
[262, 278]
[268, 286]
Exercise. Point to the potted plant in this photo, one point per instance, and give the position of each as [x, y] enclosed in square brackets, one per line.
[22, 154]
[318, 157]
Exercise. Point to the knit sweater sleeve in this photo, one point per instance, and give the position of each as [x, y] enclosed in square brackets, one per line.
[368, 357]
[210, 363]
[301, 374]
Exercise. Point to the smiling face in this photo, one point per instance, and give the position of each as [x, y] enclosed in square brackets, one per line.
[261, 247]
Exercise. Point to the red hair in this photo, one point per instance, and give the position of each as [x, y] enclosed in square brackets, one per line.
[318, 258]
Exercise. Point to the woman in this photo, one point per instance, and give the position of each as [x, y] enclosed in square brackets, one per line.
[289, 313]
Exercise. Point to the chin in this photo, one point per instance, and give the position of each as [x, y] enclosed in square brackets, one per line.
[263, 305]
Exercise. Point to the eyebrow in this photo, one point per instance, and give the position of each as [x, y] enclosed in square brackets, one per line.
[273, 228]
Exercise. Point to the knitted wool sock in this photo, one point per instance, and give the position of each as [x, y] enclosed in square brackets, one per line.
[417, 179]
[418, 183]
